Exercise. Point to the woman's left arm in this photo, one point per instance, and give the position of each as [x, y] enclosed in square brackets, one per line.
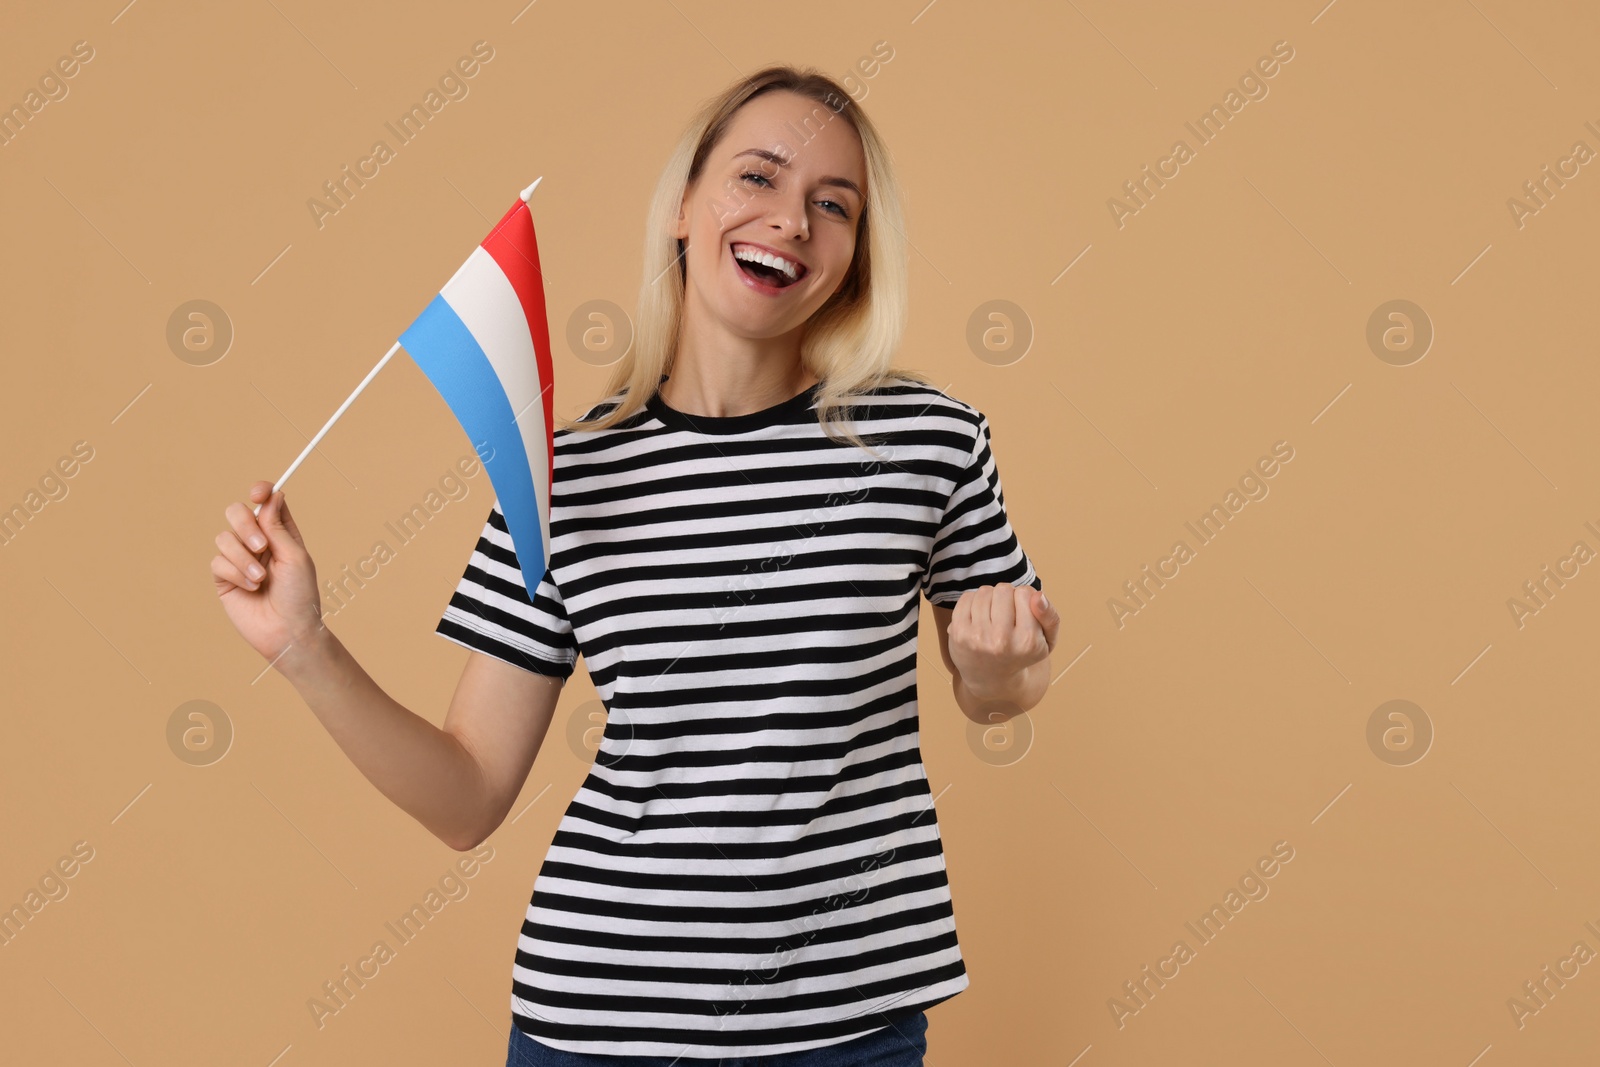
[997, 641]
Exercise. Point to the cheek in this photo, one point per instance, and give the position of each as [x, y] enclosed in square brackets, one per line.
[705, 259]
[827, 272]
[839, 265]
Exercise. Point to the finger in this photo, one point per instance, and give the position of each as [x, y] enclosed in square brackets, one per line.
[1003, 607]
[245, 564]
[244, 524]
[288, 520]
[977, 613]
[1049, 618]
[285, 540]
[227, 576]
[282, 538]
[961, 612]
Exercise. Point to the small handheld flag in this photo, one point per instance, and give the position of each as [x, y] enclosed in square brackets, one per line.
[484, 343]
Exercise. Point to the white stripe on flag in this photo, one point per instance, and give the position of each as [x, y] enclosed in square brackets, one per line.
[481, 294]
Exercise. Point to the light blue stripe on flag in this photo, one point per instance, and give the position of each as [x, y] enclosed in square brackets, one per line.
[442, 346]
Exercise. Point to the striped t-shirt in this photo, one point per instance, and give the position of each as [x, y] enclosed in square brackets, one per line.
[752, 865]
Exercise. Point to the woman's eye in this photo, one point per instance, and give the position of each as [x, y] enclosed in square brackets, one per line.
[836, 207]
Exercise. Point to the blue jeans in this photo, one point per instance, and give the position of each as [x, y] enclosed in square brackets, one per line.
[900, 1044]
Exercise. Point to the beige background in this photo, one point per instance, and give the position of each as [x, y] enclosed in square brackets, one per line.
[1229, 313]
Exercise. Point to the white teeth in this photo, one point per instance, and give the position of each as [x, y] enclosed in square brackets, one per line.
[753, 255]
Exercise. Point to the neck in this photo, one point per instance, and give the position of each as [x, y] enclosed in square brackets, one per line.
[734, 375]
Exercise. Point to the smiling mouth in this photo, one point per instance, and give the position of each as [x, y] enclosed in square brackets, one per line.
[771, 277]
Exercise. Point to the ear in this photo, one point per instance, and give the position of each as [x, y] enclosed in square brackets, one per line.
[680, 229]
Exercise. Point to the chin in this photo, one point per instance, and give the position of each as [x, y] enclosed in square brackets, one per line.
[757, 327]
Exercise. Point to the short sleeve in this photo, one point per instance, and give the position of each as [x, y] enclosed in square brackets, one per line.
[490, 611]
[975, 545]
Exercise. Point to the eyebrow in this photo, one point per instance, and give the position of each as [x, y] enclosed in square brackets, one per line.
[773, 157]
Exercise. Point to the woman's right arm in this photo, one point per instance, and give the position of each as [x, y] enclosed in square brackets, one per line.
[458, 781]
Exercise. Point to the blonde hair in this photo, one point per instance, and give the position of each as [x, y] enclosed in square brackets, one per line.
[849, 343]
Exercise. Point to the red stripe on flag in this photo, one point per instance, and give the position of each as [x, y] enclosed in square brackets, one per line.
[514, 247]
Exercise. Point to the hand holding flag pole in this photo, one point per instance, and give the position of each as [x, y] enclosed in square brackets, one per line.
[484, 343]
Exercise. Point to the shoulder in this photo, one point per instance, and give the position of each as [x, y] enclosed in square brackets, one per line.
[920, 408]
[595, 411]
[909, 391]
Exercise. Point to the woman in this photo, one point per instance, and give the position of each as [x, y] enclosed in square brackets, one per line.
[752, 870]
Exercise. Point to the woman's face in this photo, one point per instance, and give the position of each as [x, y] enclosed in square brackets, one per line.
[788, 176]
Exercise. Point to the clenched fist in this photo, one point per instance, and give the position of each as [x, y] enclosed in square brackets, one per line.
[999, 631]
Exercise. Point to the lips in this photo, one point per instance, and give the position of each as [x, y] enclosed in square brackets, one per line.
[766, 279]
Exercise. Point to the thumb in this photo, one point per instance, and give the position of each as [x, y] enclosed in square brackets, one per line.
[1049, 618]
[278, 524]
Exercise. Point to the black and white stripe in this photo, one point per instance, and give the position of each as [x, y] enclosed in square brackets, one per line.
[753, 864]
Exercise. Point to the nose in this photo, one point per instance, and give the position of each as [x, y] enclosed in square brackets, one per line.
[791, 220]
[787, 226]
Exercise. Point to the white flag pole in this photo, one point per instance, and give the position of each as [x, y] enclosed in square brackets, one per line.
[329, 425]
[351, 398]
